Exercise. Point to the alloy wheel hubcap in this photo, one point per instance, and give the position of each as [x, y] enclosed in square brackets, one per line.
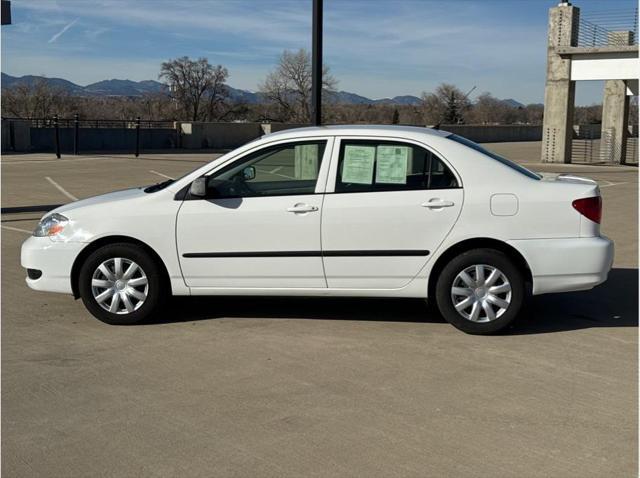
[481, 293]
[119, 285]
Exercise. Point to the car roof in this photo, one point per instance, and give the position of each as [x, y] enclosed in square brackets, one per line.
[358, 130]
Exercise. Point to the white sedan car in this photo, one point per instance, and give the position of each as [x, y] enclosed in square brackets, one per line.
[333, 211]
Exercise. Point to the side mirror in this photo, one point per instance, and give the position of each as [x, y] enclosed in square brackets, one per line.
[199, 188]
[248, 173]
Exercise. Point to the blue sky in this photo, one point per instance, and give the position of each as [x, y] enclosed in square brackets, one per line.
[376, 48]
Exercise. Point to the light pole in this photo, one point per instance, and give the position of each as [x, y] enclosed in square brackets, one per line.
[6, 12]
[316, 64]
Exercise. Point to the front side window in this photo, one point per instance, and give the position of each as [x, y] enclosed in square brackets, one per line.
[281, 170]
[367, 166]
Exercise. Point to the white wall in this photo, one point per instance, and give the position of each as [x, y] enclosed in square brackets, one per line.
[604, 67]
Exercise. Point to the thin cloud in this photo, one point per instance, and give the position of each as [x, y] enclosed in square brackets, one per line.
[399, 47]
[62, 32]
[94, 34]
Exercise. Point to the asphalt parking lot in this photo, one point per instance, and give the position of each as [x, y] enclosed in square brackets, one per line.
[252, 387]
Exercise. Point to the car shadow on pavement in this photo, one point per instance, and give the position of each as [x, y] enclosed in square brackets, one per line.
[612, 304]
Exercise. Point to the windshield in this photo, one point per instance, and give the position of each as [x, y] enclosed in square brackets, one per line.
[160, 186]
[497, 157]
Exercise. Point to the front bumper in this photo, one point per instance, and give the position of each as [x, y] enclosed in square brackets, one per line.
[564, 265]
[53, 259]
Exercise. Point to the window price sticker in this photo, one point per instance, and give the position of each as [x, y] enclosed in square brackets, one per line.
[306, 161]
[357, 167]
[392, 164]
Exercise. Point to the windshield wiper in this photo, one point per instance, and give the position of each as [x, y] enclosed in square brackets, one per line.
[157, 187]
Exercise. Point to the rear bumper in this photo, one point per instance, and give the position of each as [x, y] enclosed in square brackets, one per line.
[53, 259]
[563, 265]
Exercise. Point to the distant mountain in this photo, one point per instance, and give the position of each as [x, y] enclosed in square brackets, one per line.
[101, 88]
[513, 103]
[9, 81]
[124, 88]
[130, 88]
[344, 97]
[353, 99]
[243, 96]
[401, 100]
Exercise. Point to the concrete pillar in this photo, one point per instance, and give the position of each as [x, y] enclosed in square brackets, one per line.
[615, 122]
[615, 110]
[559, 93]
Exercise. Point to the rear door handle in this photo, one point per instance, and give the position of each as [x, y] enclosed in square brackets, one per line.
[437, 203]
[302, 208]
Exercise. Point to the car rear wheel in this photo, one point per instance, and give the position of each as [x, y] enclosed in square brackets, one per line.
[480, 292]
[120, 284]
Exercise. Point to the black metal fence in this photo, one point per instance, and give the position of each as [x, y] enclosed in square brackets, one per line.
[75, 134]
[94, 123]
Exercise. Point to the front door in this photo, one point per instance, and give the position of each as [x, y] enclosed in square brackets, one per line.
[259, 226]
[393, 204]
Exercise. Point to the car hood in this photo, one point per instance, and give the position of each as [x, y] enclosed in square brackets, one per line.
[102, 199]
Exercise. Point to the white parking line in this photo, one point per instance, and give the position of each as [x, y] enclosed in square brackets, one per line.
[275, 170]
[609, 183]
[63, 160]
[160, 174]
[61, 189]
[17, 229]
[275, 174]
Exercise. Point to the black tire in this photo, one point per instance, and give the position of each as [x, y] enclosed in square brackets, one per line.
[488, 257]
[157, 290]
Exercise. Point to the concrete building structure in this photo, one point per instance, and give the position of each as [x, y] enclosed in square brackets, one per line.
[581, 50]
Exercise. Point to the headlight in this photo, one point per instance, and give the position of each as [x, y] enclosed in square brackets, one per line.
[51, 225]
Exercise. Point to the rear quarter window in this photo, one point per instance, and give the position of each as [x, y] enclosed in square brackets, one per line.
[507, 162]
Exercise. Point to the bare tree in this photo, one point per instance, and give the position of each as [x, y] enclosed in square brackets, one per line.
[587, 114]
[155, 106]
[196, 85]
[447, 105]
[285, 97]
[35, 100]
[533, 113]
[488, 110]
[218, 93]
[289, 85]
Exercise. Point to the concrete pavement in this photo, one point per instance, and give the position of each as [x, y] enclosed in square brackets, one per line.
[259, 387]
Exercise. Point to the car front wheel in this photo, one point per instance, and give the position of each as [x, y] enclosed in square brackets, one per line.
[480, 291]
[120, 284]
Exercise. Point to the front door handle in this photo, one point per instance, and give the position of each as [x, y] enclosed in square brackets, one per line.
[437, 203]
[302, 208]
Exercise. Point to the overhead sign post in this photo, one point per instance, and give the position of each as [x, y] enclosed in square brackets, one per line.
[316, 64]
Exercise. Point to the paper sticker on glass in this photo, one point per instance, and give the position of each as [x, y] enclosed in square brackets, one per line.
[391, 167]
[357, 167]
[306, 161]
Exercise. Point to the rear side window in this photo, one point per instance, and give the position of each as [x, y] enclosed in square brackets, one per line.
[367, 166]
[497, 157]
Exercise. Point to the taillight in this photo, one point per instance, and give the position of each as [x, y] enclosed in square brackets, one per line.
[591, 208]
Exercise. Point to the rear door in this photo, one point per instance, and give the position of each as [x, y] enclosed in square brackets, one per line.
[392, 203]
